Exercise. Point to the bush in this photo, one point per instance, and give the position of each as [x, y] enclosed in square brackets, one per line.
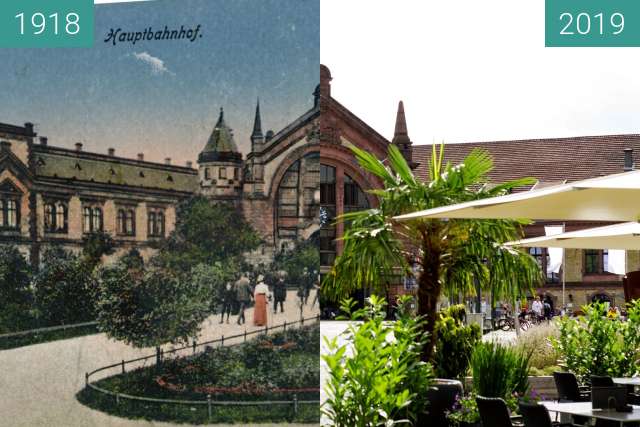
[64, 288]
[382, 381]
[538, 342]
[15, 291]
[97, 244]
[594, 344]
[15, 275]
[454, 343]
[499, 371]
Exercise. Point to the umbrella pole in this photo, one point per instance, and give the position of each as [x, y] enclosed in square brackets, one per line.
[564, 270]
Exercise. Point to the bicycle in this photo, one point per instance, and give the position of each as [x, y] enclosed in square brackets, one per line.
[508, 323]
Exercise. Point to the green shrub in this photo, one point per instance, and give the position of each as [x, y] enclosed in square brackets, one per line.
[454, 343]
[64, 288]
[15, 275]
[499, 371]
[378, 378]
[594, 344]
[538, 342]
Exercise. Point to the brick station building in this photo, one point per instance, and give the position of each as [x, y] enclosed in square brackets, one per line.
[57, 194]
[550, 161]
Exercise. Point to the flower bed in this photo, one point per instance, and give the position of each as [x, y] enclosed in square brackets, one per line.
[248, 372]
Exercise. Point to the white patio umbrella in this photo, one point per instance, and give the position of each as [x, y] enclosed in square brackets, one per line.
[608, 198]
[618, 236]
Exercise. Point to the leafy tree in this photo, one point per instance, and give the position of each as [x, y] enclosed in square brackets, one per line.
[206, 232]
[213, 279]
[299, 262]
[64, 288]
[15, 275]
[452, 255]
[97, 244]
[132, 259]
[15, 291]
[149, 309]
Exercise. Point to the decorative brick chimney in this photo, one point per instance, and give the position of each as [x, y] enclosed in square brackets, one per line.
[112, 152]
[78, 146]
[44, 140]
[141, 157]
[167, 161]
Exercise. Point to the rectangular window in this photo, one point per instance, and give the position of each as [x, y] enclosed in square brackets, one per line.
[207, 175]
[591, 264]
[155, 221]
[92, 219]
[55, 217]
[222, 173]
[236, 173]
[12, 214]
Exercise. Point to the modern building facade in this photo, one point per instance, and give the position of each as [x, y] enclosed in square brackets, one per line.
[550, 161]
[57, 195]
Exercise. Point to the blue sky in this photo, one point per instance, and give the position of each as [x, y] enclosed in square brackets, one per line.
[112, 96]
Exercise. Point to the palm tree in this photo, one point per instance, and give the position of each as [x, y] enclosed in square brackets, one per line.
[453, 256]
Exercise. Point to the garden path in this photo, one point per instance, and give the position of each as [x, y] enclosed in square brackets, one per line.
[38, 383]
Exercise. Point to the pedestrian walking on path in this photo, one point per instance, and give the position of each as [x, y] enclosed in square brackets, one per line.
[279, 292]
[228, 297]
[260, 295]
[243, 295]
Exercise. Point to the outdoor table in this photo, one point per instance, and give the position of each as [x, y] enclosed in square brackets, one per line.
[627, 381]
[584, 409]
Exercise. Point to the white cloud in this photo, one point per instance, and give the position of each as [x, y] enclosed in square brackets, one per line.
[156, 64]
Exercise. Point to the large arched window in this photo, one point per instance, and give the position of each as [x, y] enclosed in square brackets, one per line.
[296, 198]
[353, 199]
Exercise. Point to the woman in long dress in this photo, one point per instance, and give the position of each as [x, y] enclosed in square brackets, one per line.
[260, 295]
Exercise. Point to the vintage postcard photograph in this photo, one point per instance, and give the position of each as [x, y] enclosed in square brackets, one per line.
[159, 218]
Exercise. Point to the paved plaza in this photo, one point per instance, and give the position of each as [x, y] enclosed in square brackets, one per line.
[38, 383]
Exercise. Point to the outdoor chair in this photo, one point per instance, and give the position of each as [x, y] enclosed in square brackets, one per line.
[536, 415]
[494, 412]
[601, 381]
[569, 391]
[568, 388]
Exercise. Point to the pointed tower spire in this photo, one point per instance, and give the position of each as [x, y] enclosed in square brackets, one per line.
[220, 118]
[401, 135]
[257, 123]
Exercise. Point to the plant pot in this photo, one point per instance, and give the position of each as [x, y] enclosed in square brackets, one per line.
[441, 396]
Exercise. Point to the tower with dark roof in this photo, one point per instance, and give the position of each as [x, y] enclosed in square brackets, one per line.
[220, 164]
[401, 136]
